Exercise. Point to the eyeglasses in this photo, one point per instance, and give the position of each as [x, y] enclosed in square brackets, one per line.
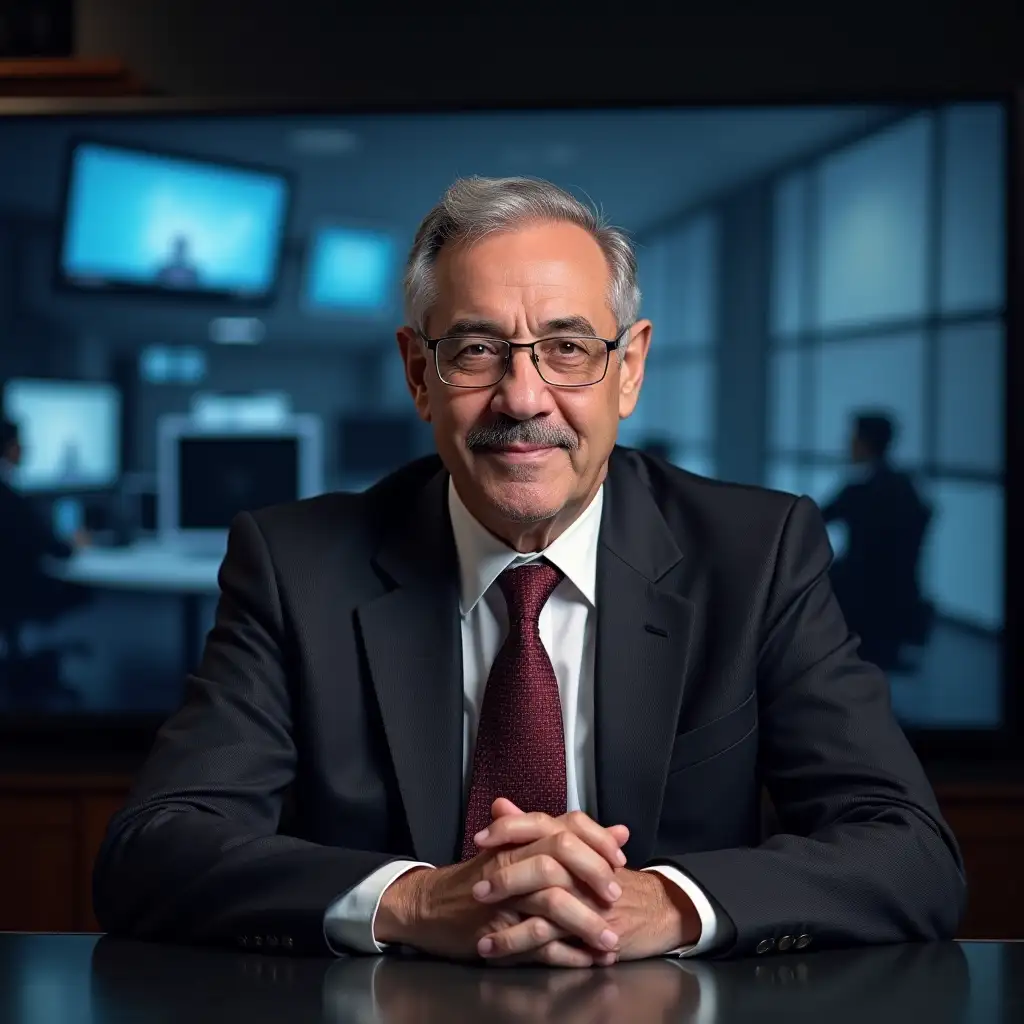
[564, 361]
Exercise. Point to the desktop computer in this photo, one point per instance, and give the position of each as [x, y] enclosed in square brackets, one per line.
[207, 476]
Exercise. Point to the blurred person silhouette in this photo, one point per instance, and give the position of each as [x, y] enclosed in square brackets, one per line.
[180, 270]
[876, 579]
[28, 594]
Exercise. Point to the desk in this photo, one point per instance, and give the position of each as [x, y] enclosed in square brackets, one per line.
[66, 979]
[148, 566]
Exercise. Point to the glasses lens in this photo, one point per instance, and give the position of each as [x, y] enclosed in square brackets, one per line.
[471, 362]
[572, 362]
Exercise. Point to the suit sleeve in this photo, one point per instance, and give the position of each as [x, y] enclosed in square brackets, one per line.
[864, 855]
[195, 855]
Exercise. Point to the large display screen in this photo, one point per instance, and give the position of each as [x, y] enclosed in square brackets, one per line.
[143, 220]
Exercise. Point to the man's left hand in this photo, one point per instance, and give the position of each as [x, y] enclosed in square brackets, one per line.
[651, 917]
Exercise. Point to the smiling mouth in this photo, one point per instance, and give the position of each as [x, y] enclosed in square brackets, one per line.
[521, 451]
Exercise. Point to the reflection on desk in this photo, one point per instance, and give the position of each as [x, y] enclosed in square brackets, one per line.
[46, 979]
[146, 565]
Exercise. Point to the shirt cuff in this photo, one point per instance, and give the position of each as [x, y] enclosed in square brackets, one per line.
[708, 917]
[349, 920]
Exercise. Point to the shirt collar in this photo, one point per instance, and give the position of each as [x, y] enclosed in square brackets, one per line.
[483, 557]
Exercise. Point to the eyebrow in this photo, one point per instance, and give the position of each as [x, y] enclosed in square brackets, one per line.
[492, 329]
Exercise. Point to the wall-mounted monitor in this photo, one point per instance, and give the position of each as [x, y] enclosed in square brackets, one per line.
[352, 271]
[70, 434]
[141, 221]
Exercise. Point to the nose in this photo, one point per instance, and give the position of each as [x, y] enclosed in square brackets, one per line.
[522, 393]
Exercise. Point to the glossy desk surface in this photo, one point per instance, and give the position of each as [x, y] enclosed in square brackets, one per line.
[84, 979]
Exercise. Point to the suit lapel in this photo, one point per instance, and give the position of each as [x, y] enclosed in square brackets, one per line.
[413, 644]
[643, 637]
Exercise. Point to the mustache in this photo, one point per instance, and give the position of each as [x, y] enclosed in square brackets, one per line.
[505, 431]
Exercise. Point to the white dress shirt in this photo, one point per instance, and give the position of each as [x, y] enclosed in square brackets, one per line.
[569, 615]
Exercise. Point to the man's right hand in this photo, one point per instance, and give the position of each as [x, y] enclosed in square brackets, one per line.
[436, 912]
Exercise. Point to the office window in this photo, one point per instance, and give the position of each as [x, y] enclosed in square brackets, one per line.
[872, 211]
[964, 558]
[973, 208]
[784, 400]
[678, 270]
[789, 282]
[970, 399]
[887, 373]
[887, 294]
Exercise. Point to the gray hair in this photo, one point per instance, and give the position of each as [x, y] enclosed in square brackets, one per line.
[475, 207]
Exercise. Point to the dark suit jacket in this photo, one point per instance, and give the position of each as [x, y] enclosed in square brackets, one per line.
[333, 675]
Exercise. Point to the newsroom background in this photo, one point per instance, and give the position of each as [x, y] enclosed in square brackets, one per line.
[798, 265]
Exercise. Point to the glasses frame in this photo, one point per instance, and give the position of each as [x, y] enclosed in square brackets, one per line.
[610, 346]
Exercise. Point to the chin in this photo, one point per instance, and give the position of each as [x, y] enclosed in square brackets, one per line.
[522, 502]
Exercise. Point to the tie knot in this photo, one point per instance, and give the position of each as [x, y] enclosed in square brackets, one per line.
[527, 589]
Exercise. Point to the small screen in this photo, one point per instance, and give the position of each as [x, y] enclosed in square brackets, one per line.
[146, 221]
[352, 271]
[218, 477]
[69, 433]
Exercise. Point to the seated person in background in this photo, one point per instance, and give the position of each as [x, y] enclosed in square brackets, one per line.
[876, 579]
[27, 592]
[520, 701]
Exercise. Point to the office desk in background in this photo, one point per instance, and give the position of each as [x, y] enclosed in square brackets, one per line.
[150, 567]
[66, 979]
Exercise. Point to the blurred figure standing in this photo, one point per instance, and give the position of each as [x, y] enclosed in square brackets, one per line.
[876, 580]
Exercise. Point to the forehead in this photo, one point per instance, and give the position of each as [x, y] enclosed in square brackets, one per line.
[538, 264]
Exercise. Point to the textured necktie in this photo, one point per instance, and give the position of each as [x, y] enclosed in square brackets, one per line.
[520, 745]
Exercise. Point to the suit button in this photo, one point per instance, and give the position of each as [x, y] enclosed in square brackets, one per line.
[803, 941]
[765, 945]
[287, 942]
[785, 942]
[257, 940]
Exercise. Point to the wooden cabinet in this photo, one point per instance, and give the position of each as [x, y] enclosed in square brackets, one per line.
[51, 827]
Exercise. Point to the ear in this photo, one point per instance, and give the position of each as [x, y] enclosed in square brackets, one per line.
[631, 369]
[416, 360]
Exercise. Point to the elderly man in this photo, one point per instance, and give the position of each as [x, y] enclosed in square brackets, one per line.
[521, 701]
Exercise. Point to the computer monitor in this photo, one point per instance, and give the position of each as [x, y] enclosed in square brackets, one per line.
[70, 433]
[154, 222]
[207, 476]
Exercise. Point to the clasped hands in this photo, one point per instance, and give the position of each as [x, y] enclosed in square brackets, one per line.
[545, 890]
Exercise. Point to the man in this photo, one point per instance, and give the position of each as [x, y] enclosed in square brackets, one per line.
[876, 579]
[28, 593]
[519, 702]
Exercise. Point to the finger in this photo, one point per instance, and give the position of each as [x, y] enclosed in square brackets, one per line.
[560, 860]
[571, 915]
[554, 954]
[520, 878]
[518, 829]
[502, 807]
[524, 937]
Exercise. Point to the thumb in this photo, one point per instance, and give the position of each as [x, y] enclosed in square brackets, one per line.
[503, 808]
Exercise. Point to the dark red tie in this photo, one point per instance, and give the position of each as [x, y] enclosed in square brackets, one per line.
[520, 746]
